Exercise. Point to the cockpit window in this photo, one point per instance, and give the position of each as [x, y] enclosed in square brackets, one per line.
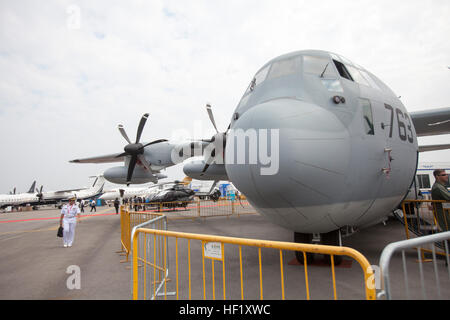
[367, 117]
[369, 79]
[342, 70]
[261, 75]
[284, 67]
[258, 78]
[357, 76]
[318, 66]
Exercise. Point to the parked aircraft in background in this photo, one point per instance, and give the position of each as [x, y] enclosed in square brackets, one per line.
[38, 197]
[177, 192]
[83, 193]
[347, 147]
[127, 193]
[213, 189]
[143, 192]
[20, 199]
[31, 190]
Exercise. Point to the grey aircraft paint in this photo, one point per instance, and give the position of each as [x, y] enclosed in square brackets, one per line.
[335, 170]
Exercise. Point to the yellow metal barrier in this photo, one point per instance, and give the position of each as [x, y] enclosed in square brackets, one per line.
[213, 249]
[128, 220]
[424, 217]
[198, 208]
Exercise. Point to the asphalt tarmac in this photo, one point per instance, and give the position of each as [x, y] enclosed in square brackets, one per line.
[35, 265]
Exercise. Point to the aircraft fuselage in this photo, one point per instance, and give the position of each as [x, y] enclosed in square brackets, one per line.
[347, 148]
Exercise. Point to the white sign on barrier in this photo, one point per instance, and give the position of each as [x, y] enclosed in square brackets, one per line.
[213, 250]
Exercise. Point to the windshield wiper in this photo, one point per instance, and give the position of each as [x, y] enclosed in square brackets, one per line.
[321, 75]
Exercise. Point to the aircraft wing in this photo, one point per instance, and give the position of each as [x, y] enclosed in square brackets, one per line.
[431, 122]
[115, 157]
[69, 190]
[434, 147]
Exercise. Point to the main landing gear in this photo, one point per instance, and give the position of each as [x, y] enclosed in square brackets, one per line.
[331, 239]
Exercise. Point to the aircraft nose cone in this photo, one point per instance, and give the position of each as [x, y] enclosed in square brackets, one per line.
[303, 154]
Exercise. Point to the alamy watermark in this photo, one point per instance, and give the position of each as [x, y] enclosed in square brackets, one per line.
[252, 146]
[374, 280]
[74, 280]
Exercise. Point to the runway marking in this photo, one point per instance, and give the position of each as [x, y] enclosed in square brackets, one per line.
[53, 218]
[53, 228]
[28, 231]
[10, 238]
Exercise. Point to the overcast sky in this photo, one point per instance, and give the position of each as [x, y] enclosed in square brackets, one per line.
[71, 71]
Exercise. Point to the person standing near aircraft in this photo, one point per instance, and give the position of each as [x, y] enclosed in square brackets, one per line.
[69, 214]
[93, 206]
[116, 205]
[440, 192]
[82, 205]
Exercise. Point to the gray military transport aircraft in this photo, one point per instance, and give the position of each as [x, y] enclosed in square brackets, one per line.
[347, 146]
[343, 148]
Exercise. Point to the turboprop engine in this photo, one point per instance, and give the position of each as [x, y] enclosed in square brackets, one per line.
[118, 175]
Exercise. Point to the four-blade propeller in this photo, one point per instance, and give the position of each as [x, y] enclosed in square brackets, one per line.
[136, 149]
[39, 193]
[215, 139]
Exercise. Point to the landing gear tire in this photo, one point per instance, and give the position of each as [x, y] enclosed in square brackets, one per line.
[307, 239]
[331, 239]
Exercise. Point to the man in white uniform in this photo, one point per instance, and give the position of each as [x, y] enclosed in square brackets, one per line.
[68, 221]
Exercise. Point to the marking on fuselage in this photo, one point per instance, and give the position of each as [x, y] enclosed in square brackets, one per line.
[308, 187]
[324, 169]
[292, 206]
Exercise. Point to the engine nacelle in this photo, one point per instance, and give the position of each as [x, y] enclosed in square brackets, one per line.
[215, 171]
[118, 175]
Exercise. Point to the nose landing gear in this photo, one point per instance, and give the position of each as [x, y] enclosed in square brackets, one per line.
[332, 238]
[303, 238]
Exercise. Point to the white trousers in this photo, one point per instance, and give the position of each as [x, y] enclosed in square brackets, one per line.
[69, 230]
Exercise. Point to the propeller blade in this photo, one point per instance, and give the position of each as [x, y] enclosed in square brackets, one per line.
[209, 161]
[211, 116]
[122, 155]
[141, 127]
[144, 162]
[131, 168]
[154, 142]
[213, 186]
[124, 134]
[39, 193]
[205, 168]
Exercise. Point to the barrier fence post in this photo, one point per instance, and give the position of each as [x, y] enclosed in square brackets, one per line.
[416, 243]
